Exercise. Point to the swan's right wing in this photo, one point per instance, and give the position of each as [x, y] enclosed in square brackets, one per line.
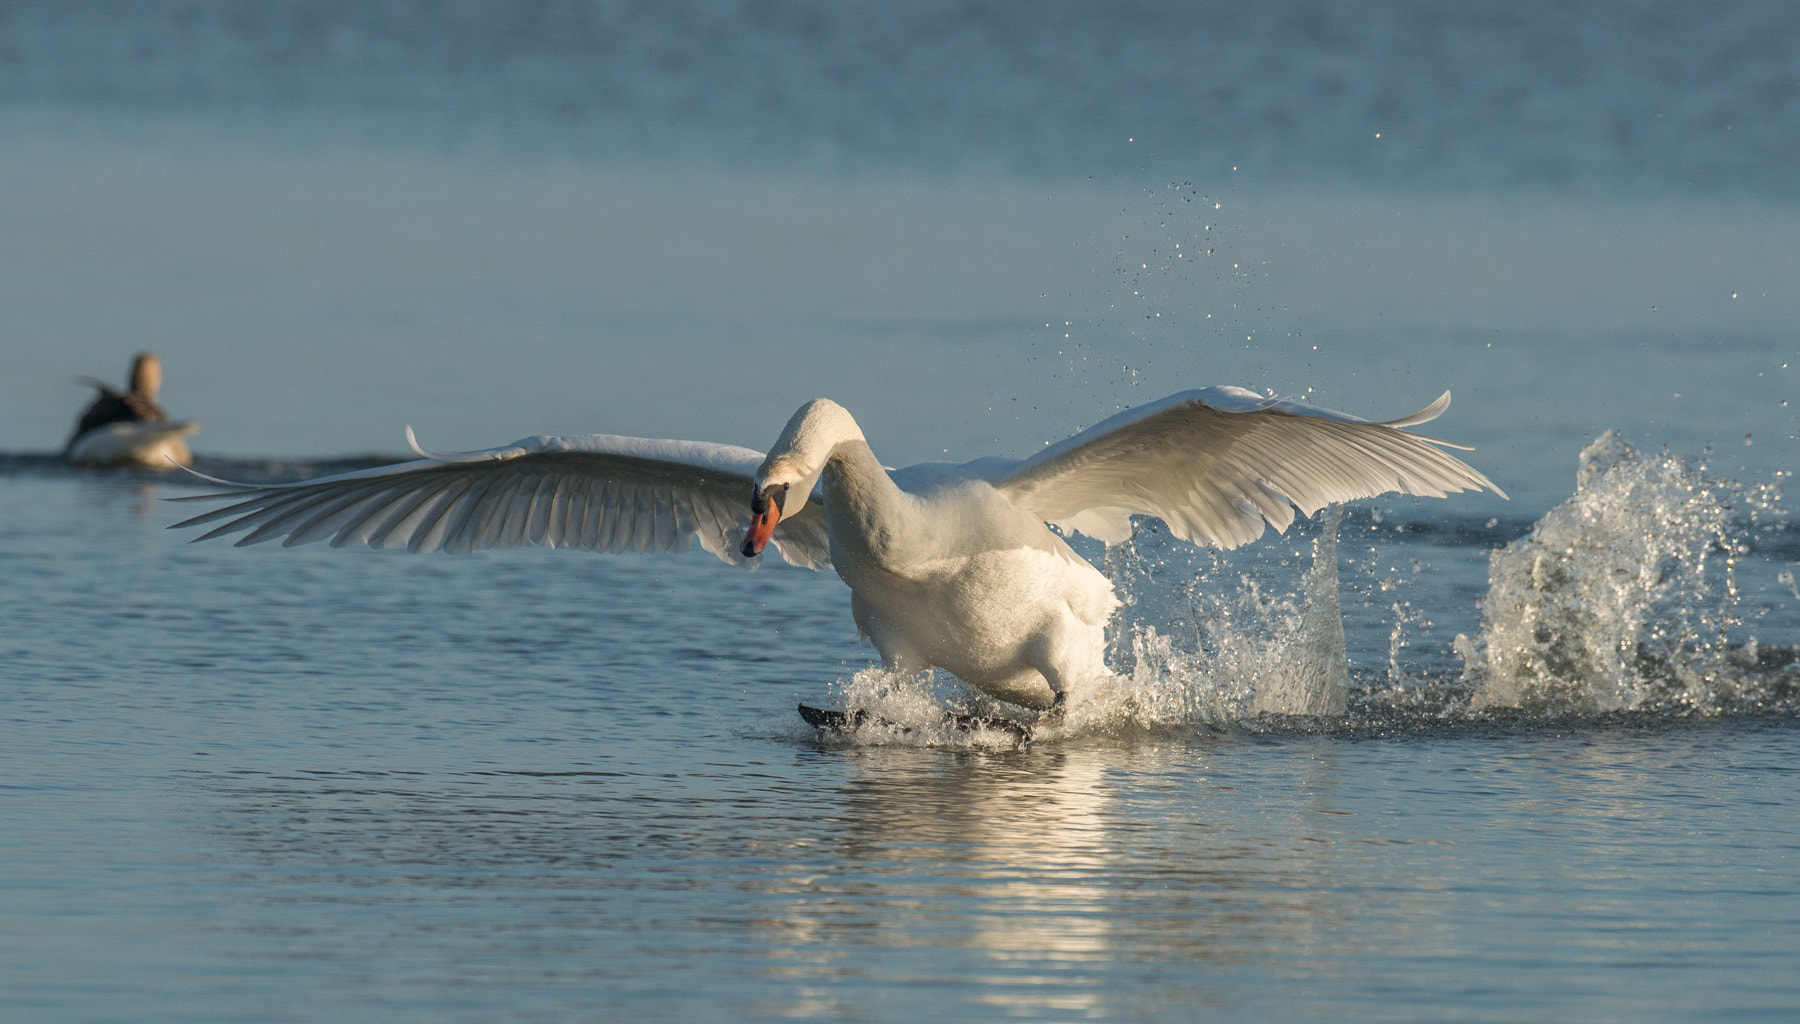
[1217, 463]
[597, 492]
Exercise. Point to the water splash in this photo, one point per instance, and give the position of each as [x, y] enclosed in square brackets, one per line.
[911, 710]
[1312, 676]
[1230, 652]
[1624, 596]
[1250, 652]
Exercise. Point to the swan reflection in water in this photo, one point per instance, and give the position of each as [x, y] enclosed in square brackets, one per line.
[1052, 868]
[1035, 881]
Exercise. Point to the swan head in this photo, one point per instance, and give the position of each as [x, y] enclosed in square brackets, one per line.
[786, 478]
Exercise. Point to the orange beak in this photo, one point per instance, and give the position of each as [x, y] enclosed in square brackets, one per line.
[764, 514]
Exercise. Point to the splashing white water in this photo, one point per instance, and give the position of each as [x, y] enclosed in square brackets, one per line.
[1622, 597]
[915, 710]
[1312, 676]
[1249, 653]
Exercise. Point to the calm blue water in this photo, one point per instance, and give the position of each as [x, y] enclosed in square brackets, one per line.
[297, 785]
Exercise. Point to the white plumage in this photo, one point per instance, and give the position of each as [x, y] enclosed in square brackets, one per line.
[950, 566]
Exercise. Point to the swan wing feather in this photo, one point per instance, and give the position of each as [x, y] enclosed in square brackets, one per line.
[1216, 464]
[596, 492]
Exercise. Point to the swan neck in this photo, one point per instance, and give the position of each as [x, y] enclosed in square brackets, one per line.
[868, 516]
[853, 469]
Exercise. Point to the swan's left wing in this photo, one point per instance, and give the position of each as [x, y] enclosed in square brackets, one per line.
[597, 492]
[1215, 464]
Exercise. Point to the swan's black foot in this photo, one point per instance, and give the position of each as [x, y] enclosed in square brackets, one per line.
[848, 721]
[833, 721]
[1054, 714]
[1020, 731]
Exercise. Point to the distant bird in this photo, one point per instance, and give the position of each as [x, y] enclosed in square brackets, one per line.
[952, 566]
[128, 428]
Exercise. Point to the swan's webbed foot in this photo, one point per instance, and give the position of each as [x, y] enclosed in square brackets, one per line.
[843, 723]
[827, 720]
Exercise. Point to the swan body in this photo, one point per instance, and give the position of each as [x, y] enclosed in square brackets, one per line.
[949, 566]
[944, 571]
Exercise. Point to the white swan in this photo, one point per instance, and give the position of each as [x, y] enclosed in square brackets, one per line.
[952, 566]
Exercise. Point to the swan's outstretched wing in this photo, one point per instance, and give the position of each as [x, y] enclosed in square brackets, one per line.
[1216, 463]
[598, 493]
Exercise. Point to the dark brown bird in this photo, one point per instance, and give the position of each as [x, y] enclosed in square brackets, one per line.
[128, 428]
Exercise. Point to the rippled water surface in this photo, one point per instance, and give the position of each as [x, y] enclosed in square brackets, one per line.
[311, 784]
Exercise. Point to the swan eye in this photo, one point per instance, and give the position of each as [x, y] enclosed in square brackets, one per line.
[761, 497]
